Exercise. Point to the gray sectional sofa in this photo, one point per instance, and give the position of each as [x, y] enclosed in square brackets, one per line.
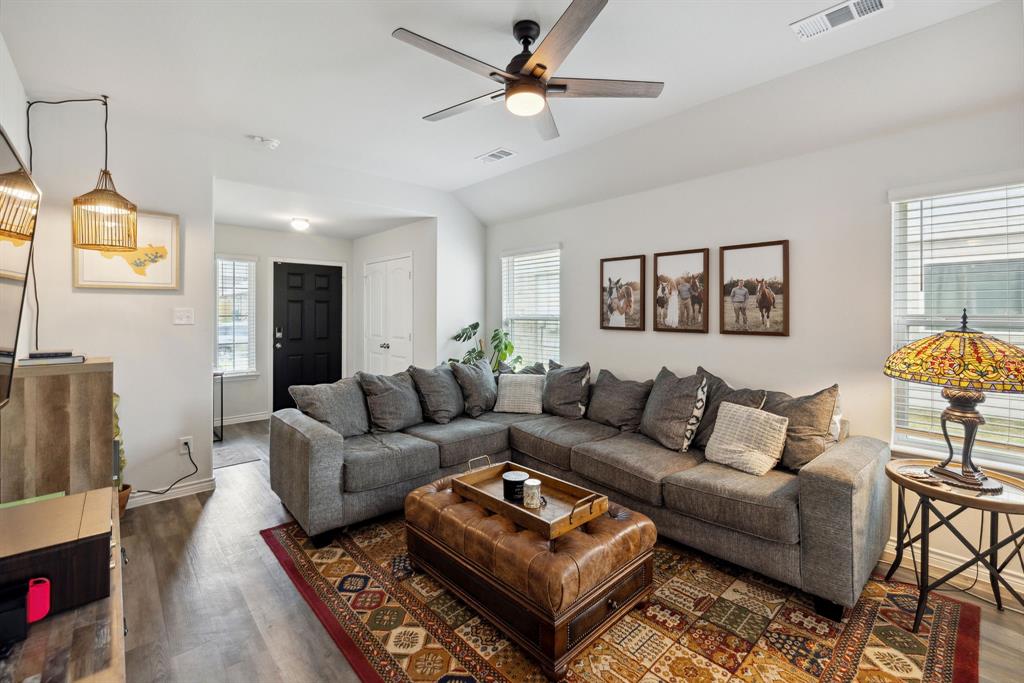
[820, 529]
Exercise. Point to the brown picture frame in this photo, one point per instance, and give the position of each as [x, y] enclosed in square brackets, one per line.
[756, 327]
[655, 285]
[628, 309]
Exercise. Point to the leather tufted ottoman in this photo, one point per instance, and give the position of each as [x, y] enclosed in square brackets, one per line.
[553, 597]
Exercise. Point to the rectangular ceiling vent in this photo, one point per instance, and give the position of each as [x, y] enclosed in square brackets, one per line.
[499, 154]
[834, 17]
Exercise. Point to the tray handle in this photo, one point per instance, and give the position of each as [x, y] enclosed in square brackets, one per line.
[469, 463]
[592, 498]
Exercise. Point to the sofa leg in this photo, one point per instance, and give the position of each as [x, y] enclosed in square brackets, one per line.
[828, 609]
[321, 540]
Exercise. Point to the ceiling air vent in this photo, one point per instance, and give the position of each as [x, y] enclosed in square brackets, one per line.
[835, 17]
[499, 154]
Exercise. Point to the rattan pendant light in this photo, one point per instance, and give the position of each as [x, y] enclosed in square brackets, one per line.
[103, 220]
[19, 201]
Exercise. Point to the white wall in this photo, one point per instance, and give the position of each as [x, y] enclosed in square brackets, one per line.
[248, 397]
[460, 280]
[12, 102]
[421, 240]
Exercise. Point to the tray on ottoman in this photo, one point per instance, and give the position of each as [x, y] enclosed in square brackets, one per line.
[553, 597]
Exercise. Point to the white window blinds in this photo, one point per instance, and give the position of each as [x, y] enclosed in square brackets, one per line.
[236, 314]
[951, 252]
[529, 303]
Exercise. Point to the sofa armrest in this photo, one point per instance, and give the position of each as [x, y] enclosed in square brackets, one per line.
[306, 469]
[845, 509]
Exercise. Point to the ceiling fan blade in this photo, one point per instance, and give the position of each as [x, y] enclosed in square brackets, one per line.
[453, 56]
[474, 103]
[600, 87]
[562, 38]
[545, 123]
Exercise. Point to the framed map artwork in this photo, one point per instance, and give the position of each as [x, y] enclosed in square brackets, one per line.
[153, 265]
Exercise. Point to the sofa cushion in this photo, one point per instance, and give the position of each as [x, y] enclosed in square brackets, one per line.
[747, 439]
[760, 506]
[718, 392]
[463, 439]
[810, 430]
[509, 418]
[341, 405]
[674, 409]
[392, 401]
[479, 390]
[550, 439]
[374, 460]
[632, 464]
[566, 391]
[519, 394]
[440, 395]
[618, 402]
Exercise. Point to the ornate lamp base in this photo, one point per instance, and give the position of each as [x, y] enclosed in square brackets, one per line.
[963, 410]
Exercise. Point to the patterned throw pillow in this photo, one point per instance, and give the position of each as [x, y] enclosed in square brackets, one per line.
[392, 400]
[520, 394]
[618, 402]
[479, 389]
[747, 439]
[674, 409]
[567, 390]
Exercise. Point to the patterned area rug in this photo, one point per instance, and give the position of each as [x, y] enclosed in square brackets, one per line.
[708, 621]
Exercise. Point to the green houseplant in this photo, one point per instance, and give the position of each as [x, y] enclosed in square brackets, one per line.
[124, 491]
[502, 347]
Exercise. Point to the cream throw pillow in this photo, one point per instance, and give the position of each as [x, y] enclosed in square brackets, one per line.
[747, 439]
[520, 394]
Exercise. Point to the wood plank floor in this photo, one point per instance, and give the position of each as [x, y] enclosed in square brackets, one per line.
[205, 600]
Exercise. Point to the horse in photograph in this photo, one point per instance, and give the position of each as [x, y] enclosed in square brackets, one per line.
[618, 302]
[697, 299]
[765, 302]
[666, 306]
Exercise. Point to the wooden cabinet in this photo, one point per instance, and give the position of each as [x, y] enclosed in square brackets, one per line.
[57, 431]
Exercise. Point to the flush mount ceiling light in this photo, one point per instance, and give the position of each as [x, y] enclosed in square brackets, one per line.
[300, 224]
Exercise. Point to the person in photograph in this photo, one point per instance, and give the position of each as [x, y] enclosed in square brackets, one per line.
[739, 298]
[685, 302]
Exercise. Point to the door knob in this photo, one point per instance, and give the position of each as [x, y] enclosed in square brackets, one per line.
[382, 346]
[277, 345]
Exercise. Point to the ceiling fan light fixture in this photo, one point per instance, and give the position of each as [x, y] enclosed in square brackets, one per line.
[525, 98]
[300, 224]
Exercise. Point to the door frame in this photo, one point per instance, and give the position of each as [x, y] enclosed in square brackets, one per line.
[269, 312]
[412, 272]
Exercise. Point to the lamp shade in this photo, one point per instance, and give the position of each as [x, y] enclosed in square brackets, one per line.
[103, 220]
[19, 201]
[960, 359]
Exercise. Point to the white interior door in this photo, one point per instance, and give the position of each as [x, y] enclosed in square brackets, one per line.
[388, 315]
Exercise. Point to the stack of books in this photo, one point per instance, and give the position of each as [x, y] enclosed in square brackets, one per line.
[51, 358]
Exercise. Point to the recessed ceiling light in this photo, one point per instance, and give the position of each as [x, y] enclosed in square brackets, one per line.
[300, 224]
[268, 143]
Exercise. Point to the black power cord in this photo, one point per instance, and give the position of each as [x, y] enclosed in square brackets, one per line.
[195, 470]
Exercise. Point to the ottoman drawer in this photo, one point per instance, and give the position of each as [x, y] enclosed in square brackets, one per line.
[597, 611]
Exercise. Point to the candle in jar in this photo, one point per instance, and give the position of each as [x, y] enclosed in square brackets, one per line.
[531, 493]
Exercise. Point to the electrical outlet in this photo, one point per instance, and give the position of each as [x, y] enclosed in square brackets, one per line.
[185, 445]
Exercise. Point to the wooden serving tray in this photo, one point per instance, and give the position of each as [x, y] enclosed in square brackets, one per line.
[569, 506]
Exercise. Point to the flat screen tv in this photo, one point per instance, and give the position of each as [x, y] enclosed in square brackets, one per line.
[19, 204]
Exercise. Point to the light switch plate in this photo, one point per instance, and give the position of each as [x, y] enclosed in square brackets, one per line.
[184, 316]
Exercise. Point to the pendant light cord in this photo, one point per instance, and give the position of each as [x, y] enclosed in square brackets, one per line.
[28, 138]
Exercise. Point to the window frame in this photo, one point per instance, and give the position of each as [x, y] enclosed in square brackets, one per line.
[253, 370]
[930, 442]
[507, 320]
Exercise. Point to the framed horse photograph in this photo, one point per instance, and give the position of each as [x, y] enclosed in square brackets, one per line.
[681, 291]
[622, 293]
[755, 288]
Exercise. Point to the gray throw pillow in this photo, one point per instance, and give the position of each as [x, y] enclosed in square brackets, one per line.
[674, 409]
[719, 392]
[341, 405]
[810, 430]
[479, 390]
[567, 390]
[618, 402]
[392, 400]
[440, 394]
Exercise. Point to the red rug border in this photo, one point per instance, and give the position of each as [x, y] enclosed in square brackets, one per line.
[347, 646]
[969, 637]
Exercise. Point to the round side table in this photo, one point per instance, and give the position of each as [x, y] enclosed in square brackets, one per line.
[914, 475]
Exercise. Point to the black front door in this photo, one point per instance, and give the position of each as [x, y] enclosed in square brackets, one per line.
[307, 327]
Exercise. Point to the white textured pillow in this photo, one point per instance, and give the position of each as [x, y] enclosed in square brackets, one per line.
[747, 439]
[520, 394]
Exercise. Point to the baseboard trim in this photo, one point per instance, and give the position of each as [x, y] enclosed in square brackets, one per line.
[942, 562]
[239, 419]
[180, 491]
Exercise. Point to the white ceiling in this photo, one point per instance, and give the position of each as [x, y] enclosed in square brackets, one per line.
[254, 206]
[327, 79]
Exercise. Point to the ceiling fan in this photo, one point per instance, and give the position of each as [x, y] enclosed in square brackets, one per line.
[528, 80]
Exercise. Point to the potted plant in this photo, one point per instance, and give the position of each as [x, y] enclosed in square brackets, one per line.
[124, 491]
[502, 347]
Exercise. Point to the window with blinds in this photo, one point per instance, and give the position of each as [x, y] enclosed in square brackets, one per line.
[952, 252]
[529, 303]
[236, 314]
